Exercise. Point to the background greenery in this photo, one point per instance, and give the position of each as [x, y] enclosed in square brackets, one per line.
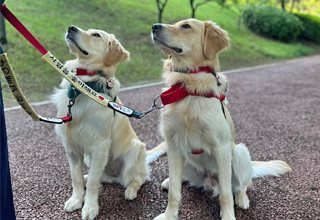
[131, 22]
[272, 22]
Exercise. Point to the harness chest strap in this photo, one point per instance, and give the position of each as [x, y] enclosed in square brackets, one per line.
[178, 92]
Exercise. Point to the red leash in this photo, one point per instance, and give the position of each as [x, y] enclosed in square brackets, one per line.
[22, 29]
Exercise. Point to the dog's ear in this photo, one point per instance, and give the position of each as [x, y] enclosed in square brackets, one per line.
[116, 53]
[215, 39]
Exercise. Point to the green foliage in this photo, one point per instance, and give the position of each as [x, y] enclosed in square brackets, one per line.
[272, 23]
[311, 24]
[131, 22]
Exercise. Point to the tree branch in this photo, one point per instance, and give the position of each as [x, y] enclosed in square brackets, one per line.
[197, 5]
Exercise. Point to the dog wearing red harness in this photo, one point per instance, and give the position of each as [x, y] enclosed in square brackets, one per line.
[195, 122]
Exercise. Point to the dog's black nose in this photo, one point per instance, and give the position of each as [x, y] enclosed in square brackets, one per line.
[72, 29]
[156, 27]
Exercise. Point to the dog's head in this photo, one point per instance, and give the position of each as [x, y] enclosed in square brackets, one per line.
[95, 48]
[191, 41]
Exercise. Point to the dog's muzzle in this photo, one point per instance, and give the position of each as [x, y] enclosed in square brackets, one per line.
[156, 34]
[156, 27]
[71, 33]
[72, 29]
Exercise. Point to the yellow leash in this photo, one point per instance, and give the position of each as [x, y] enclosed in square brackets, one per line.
[54, 62]
[15, 88]
[74, 80]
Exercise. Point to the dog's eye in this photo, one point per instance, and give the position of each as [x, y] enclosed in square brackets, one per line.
[96, 35]
[186, 26]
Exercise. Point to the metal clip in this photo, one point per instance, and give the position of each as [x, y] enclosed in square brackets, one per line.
[71, 101]
[153, 107]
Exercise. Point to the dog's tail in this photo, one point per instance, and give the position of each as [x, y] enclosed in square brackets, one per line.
[156, 152]
[244, 168]
[270, 168]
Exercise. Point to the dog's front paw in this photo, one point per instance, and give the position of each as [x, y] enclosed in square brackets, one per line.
[227, 216]
[230, 217]
[89, 212]
[242, 200]
[73, 204]
[130, 193]
[165, 184]
[164, 216]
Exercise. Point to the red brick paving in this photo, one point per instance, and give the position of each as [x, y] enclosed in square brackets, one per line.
[276, 112]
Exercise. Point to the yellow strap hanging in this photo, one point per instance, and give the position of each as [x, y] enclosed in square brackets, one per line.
[15, 88]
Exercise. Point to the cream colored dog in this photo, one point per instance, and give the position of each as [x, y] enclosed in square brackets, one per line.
[98, 135]
[198, 130]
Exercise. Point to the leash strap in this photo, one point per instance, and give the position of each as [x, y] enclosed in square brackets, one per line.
[19, 26]
[17, 93]
[56, 64]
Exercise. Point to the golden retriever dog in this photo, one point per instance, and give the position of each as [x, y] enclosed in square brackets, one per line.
[198, 129]
[97, 135]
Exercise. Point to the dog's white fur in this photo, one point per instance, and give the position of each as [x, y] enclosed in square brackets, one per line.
[195, 123]
[105, 141]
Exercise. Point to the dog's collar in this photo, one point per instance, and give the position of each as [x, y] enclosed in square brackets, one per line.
[201, 69]
[89, 86]
[84, 72]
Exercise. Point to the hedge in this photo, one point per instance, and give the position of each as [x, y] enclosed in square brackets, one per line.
[272, 23]
[311, 24]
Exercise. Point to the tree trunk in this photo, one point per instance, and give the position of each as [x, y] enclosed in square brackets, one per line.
[293, 1]
[283, 5]
[3, 38]
[193, 13]
[160, 16]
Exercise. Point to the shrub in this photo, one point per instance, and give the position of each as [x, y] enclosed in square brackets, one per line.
[311, 24]
[272, 23]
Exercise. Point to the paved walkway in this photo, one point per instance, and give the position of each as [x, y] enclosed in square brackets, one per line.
[276, 112]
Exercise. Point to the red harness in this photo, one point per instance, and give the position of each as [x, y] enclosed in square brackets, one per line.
[179, 91]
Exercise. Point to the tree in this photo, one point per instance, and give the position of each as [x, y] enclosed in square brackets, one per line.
[194, 7]
[3, 38]
[283, 4]
[161, 6]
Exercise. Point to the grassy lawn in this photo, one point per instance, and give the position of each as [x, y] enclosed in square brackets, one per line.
[131, 22]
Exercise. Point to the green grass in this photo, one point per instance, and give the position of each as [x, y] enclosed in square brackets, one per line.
[131, 22]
